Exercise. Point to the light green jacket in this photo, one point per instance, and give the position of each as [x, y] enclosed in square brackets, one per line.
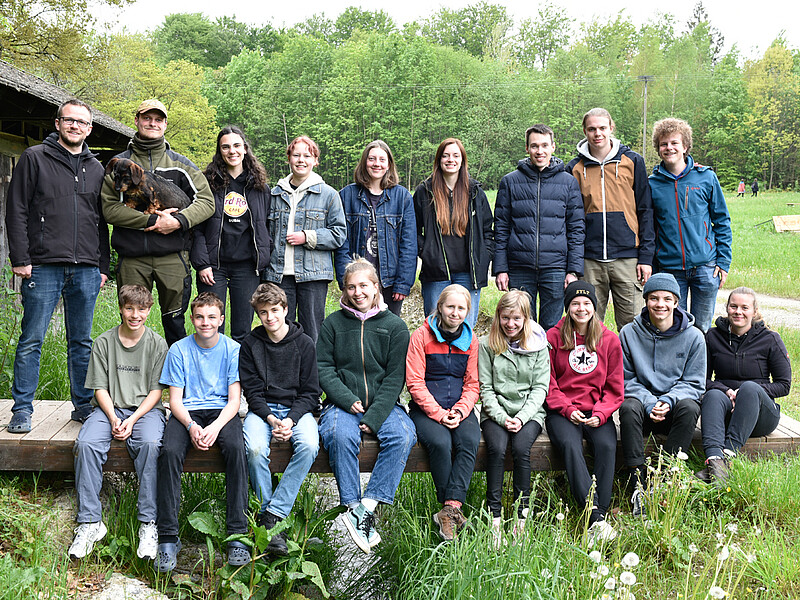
[515, 383]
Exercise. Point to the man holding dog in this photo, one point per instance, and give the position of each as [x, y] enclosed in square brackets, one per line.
[154, 248]
[58, 245]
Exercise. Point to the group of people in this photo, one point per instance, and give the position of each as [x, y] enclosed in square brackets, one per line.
[562, 238]
[742, 187]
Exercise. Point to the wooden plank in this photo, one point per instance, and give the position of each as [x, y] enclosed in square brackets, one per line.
[41, 411]
[60, 414]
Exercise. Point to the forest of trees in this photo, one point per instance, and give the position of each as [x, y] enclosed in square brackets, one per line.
[472, 73]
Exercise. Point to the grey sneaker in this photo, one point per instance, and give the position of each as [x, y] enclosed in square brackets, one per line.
[86, 534]
[639, 502]
[718, 469]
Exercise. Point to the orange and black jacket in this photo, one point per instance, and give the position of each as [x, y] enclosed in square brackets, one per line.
[617, 204]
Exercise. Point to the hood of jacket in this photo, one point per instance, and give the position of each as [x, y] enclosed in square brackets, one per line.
[661, 171]
[617, 149]
[462, 342]
[680, 316]
[536, 341]
[529, 170]
[311, 180]
[724, 325]
[295, 330]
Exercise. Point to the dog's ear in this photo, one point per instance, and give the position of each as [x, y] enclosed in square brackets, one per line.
[137, 173]
[110, 166]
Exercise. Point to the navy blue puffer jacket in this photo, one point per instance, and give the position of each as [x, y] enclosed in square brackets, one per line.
[538, 220]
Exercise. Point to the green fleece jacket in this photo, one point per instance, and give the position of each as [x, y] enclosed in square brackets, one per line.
[363, 360]
[515, 382]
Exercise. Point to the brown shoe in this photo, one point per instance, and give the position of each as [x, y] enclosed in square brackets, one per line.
[460, 519]
[718, 469]
[446, 519]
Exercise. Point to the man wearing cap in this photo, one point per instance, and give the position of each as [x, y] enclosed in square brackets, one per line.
[664, 359]
[58, 245]
[154, 248]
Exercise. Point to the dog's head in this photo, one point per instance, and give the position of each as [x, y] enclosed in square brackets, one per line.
[127, 174]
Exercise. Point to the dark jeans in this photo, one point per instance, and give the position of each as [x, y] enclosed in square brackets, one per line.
[78, 285]
[568, 441]
[393, 305]
[239, 279]
[497, 437]
[451, 453]
[635, 424]
[174, 446]
[549, 285]
[756, 415]
[306, 301]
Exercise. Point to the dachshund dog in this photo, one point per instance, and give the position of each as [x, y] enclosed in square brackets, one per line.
[145, 191]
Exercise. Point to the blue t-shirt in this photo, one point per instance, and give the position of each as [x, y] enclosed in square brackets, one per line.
[203, 373]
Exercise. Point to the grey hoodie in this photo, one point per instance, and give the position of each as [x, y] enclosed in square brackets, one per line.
[664, 367]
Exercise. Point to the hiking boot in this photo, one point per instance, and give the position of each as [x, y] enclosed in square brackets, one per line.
[601, 532]
[277, 544]
[86, 534]
[447, 520]
[718, 469]
[148, 540]
[360, 524]
[639, 502]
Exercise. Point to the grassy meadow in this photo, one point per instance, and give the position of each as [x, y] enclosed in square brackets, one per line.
[697, 541]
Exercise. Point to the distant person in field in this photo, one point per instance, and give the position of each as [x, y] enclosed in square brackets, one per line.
[381, 225]
[620, 239]
[539, 228]
[741, 190]
[693, 227]
[754, 187]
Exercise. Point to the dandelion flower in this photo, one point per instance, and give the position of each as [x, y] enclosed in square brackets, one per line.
[723, 554]
[595, 556]
[681, 455]
[630, 560]
[717, 592]
[611, 583]
[693, 548]
[627, 578]
[560, 516]
[733, 528]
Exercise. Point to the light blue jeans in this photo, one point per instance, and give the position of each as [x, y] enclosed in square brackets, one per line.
[305, 446]
[342, 439]
[431, 290]
[702, 284]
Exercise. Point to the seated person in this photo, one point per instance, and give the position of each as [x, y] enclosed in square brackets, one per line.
[278, 368]
[750, 368]
[124, 369]
[664, 359]
[202, 372]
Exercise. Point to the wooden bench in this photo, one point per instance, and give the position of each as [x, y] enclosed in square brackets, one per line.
[48, 447]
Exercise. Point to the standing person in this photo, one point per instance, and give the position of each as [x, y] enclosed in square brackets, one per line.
[750, 368]
[380, 224]
[442, 378]
[514, 373]
[586, 387]
[231, 249]
[361, 354]
[124, 370]
[620, 239]
[202, 372]
[740, 191]
[539, 228]
[664, 359]
[58, 245]
[154, 249]
[306, 223]
[278, 367]
[454, 229]
[754, 187]
[693, 227]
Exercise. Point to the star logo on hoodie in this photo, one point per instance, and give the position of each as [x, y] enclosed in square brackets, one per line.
[581, 360]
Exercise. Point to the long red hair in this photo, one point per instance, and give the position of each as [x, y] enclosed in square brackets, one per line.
[455, 222]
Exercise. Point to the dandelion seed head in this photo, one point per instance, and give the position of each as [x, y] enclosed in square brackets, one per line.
[627, 578]
[595, 556]
[693, 548]
[717, 592]
[602, 570]
[630, 560]
[611, 583]
[560, 516]
[681, 455]
[751, 558]
[724, 553]
[733, 528]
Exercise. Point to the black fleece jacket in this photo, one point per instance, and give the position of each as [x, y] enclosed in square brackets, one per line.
[279, 373]
[755, 356]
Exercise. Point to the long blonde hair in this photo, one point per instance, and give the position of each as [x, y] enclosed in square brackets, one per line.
[359, 265]
[593, 338]
[515, 300]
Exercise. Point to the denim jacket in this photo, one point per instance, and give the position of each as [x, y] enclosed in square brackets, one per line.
[397, 235]
[319, 214]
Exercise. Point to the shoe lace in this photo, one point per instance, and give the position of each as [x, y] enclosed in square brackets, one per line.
[82, 533]
[367, 524]
[148, 530]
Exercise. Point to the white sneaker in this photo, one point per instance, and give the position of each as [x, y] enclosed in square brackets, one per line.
[148, 540]
[498, 540]
[601, 531]
[639, 502]
[86, 534]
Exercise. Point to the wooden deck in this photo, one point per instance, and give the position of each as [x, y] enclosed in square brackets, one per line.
[48, 447]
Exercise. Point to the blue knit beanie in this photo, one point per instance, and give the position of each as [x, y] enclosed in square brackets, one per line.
[661, 282]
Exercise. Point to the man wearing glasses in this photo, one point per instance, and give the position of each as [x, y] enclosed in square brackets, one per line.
[58, 245]
[153, 249]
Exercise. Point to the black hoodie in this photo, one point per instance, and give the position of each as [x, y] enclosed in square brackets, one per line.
[756, 356]
[282, 373]
[53, 213]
